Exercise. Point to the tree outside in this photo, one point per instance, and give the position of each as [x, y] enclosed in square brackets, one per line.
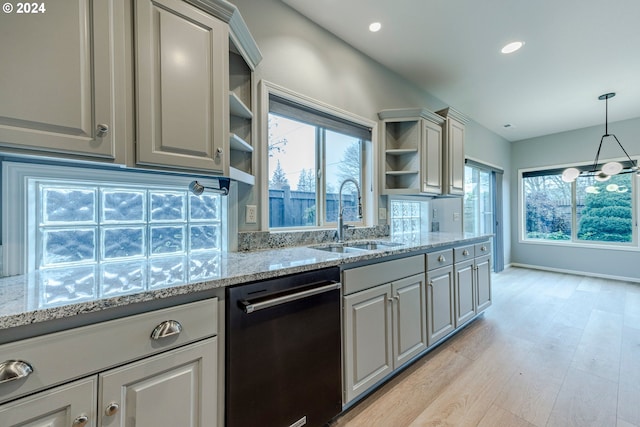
[607, 213]
[548, 207]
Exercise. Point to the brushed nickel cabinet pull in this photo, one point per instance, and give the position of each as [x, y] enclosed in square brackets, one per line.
[166, 329]
[13, 370]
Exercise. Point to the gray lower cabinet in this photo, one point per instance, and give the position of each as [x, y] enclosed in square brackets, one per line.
[440, 303]
[177, 388]
[472, 281]
[409, 318]
[384, 321]
[385, 327]
[154, 369]
[483, 282]
[368, 341]
[72, 404]
[172, 389]
[465, 294]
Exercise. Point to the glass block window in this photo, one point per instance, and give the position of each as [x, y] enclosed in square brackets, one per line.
[94, 224]
[405, 221]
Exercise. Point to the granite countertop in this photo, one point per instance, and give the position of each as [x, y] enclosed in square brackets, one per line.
[49, 295]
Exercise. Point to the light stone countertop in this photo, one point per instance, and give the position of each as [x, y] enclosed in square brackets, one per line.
[41, 297]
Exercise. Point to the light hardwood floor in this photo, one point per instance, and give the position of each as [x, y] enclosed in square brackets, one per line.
[553, 350]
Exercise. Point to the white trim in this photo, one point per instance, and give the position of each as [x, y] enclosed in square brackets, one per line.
[369, 187]
[484, 162]
[15, 177]
[575, 272]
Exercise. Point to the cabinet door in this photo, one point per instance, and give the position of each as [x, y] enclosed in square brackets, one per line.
[483, 283]
[455, 156]
[440, 307]
[67, 405]
[176, 388]
[368, 351]
[465, 292]
[431, 158]
[182, 102]
[409, 318]
[59, 76]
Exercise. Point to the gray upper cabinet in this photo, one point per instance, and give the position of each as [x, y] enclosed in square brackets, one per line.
[422, 152]
[194, 69]
[61, 76]
[181, 81]
[453, 151]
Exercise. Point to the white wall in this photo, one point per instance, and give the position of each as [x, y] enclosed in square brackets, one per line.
[559, 150]
[307, 59]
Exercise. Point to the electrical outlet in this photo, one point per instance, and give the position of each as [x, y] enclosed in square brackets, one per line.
[251, 214]
[382, 213]
[456, 216]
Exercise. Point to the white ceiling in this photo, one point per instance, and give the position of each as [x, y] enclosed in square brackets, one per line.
[575, 50]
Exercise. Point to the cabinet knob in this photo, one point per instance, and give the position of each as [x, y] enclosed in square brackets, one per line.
[465, 253]
[112, 409]
[441, 258]
[166, 329]
[397, 298]
[219, 152]
[13, 370]
[81, 421]
[483, 248]
[102, 130]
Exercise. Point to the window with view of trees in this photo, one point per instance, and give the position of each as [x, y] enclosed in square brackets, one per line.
[309, 155]
[583, 211]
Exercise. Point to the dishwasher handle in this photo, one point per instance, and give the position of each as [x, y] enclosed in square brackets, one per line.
[252, 307]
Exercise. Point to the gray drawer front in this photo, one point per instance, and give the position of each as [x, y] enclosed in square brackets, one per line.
[464, 253]
[439, 259]
[483, 248]
[63, 356]
[368, 276]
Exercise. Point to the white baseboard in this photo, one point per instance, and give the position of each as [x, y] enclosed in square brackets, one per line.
[578, 273]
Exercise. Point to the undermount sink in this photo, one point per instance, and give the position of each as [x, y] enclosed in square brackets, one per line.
[371, 246]
[355, 247]
[339, 249]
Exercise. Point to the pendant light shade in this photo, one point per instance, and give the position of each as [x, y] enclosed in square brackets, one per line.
[608, 169]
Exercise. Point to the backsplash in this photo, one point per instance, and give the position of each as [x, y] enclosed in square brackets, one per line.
[256, 240]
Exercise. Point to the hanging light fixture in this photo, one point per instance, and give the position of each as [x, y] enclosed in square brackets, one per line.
[608, 169]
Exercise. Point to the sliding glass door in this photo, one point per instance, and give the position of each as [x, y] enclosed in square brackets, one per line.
[482, 196]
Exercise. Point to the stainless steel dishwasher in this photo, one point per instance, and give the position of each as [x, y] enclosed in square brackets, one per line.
[283, 351]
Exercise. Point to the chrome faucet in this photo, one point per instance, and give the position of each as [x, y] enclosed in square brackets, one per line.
[341, 225]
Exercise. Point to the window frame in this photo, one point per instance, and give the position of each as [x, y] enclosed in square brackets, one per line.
[369, 164]
[634, 244]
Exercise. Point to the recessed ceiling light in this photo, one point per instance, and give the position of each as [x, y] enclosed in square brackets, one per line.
[512, 47]
[375, 27]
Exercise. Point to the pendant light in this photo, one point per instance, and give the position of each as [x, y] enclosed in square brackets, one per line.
[610, 168]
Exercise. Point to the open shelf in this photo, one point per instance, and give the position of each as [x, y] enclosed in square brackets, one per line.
[237, 143]
[238, 108]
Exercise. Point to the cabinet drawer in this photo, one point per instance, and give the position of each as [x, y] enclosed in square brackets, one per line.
[357, 279]
[66, 355]
[463, 253]
[483, 248]
[439, 259]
